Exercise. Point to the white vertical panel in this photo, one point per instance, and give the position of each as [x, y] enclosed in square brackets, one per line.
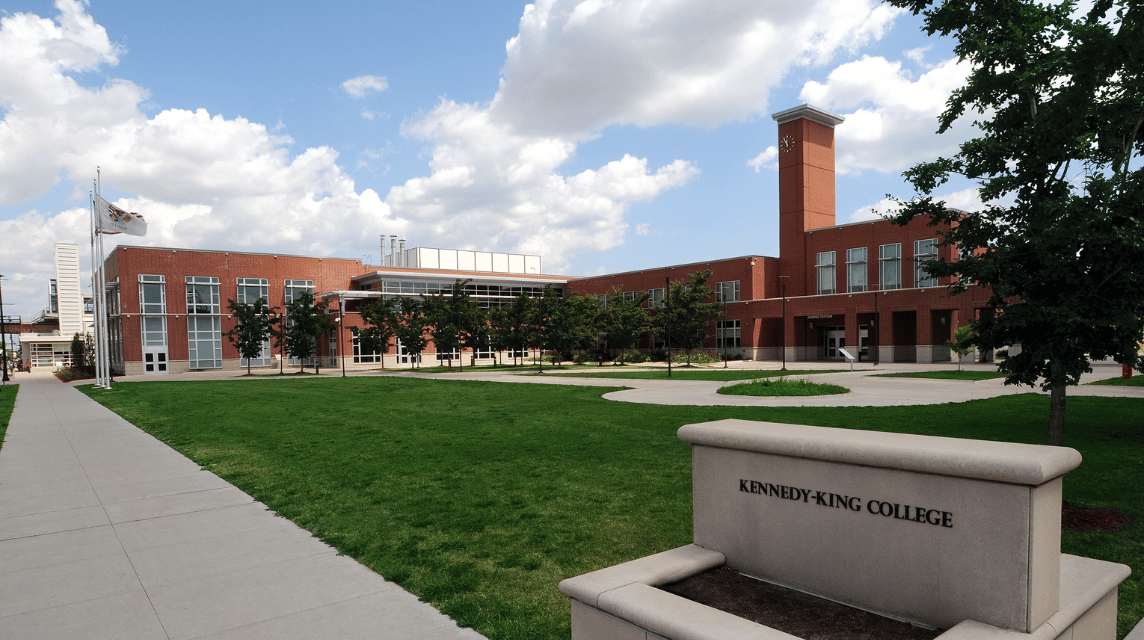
[448, 258]
[500, 262]
[532, 264]
[483, 261]
[68, 293]
[429, 259]
[515, 263]
[466, 260]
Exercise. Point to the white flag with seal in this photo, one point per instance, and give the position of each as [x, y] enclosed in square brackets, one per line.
[112, 219]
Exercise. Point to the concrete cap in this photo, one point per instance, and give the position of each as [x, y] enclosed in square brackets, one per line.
[665, 567]
[810, 112]
[1009, 462]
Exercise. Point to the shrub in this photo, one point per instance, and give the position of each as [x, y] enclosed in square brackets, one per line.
[633, 356]
[694, 357]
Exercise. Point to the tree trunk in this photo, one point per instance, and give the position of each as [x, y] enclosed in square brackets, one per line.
[1057, 416]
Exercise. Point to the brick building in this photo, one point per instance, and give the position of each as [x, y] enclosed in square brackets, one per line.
[168, 307]
[859, 287]
[856, 286]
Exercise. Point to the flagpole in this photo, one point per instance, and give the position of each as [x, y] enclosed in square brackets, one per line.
[94, 290]
[104, 356]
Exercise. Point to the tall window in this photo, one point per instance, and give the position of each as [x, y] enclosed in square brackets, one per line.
[204, 323]
[890, 266]
[655, 298]
[153, 310]
[825, 268]
[727, 291]
[856, 270]
[727, 334]
[53, 297]
[628, 296]
[924, 250]
[251, 290]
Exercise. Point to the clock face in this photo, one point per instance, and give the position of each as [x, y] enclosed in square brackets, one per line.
[787, 143]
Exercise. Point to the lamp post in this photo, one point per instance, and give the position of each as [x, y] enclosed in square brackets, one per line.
[667, 297]
[341, 337]
[725, 328]
[782, 346]
[3, 335]
[877, 326]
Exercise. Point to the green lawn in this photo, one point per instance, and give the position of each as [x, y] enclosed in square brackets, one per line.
[480, 497]
[782, 387]
[1135, 381]
[945, 375]
[7, 402]
[717, 375]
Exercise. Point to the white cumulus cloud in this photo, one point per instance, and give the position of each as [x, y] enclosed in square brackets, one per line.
[202, 180]
[764, 159]
[362, 86]
[891, 118]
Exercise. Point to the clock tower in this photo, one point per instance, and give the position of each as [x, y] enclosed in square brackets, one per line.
[806, 187]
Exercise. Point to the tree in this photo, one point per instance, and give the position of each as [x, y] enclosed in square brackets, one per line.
[690, 313]
[571, 322]
[626, 319]
[514, 325]
[78, 360]
[374, 337]
[255, 325]
[308, 320]
[410, 326]
[1061, 238]
[452, 319]
[962, 343]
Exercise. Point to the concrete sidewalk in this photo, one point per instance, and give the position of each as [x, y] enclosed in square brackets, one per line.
[105, 532]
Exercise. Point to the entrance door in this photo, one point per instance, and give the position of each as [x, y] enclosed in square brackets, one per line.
[835, 340]
[154, 360]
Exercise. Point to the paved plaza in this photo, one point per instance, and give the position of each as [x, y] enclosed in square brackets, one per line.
[105, 532]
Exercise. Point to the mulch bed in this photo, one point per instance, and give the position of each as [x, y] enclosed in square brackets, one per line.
[1100, 519]
[799, 614]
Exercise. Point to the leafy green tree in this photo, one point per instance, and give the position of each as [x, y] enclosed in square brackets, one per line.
[78, 360]
[571, 322]
[254, 327]
[1061, 238]
[452, 318]
[374, 337]
[962, 343]
[689, 312]
[514, 325]
[626, 319]
[308, 320]
[410, 327]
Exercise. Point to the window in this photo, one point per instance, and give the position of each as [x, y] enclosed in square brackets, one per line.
[360, 358]
[825, 267]
[294, 287]
[628, 296]
[856, 270]
[204, 323]
[655, 298]
[250, 290]
[890, 266]
[924, 250]
[53, 298]
[727, 291]
[603, 298]
[153, 319]
[727, 334]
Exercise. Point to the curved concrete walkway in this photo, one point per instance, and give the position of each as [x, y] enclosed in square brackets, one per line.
[105, 532]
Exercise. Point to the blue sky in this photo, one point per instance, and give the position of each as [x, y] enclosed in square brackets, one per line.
[604, 135]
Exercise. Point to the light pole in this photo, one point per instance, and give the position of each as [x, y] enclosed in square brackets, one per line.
[3, 335]
[341, 336]
[876, 325]
[782, 280]
[667, 297]
[725, 328]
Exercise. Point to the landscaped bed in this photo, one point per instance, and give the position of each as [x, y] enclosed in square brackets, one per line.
[480, 497]
[782, 387]
[946, 375]
[716, 375]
